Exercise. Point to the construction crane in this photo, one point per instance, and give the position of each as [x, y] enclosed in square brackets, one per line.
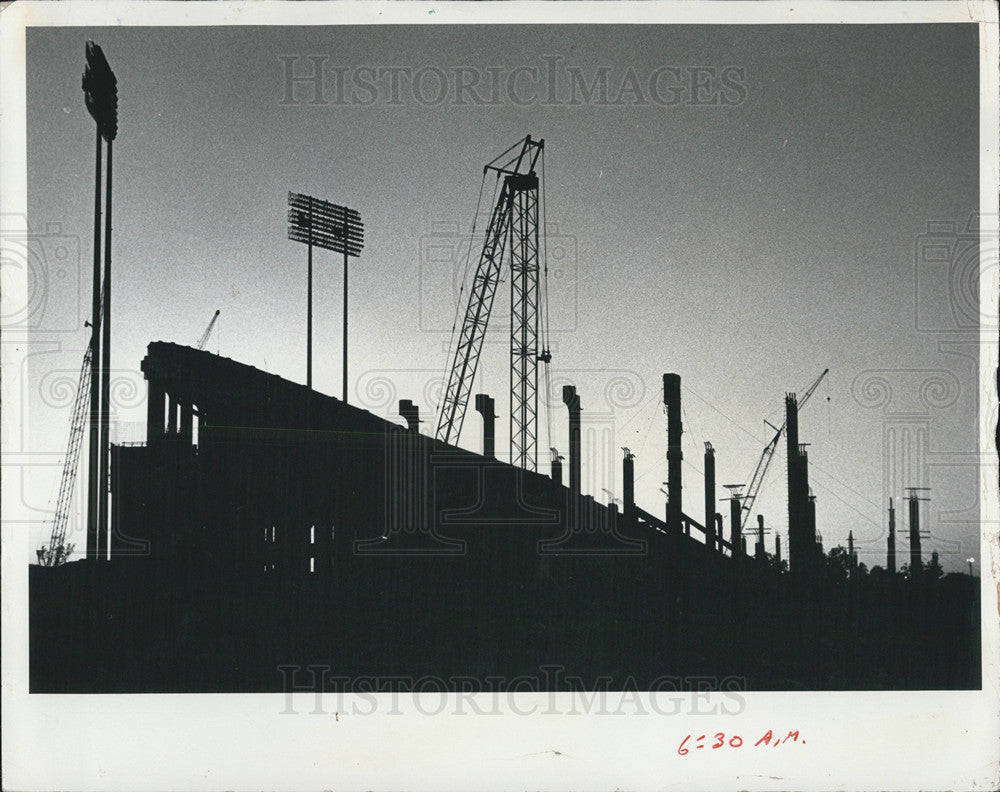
[757, 479]
[57, 551]
[208, 331]
[512, 238]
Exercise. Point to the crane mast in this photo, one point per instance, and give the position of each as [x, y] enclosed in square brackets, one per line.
[765, 460]
[513, 230]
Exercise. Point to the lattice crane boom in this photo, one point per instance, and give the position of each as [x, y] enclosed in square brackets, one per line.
[208, 331]
[513, 235]
[477, 315]
[765, 460]
[57, 551]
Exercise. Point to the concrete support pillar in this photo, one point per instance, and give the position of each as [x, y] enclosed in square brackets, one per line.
[718, 528]
[709, 490]
[777, 549]
[710, 541]
[171, 415]
[187, 417]
[672, 401]
[890, 558]
[589, 520]
[759, 549]
[485, 407]
[735, 525]
[572, 402]
[557, 469]
[796, 509]
[411, 414]
[916, 559]
[815, 543]
[628, 486]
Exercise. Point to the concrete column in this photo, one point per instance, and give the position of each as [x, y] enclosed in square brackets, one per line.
[916, 560]
[718, 528]
[590, 517]
[709, 490]
[411, 413]
[672, 401]
[485, 407]
[572, 402]
[890, 559]
[187, 434]
[628, 486]
[796, 509]
[171, 415]
[759, 549]
[815, 545]
[735, 525]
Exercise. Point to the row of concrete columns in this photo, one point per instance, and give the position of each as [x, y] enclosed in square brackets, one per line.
[167, 416]
[675, 518]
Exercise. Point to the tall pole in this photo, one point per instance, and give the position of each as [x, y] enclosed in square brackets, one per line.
[709, 494]
[735, 527]
[915, 555]
[309, 309]
[672, 401]
[345, 308]
[796, 549]
[891, 548]
[103, 523]
[93, 468]
[572, 402]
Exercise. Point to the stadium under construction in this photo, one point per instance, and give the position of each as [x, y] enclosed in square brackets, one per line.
[263, 526]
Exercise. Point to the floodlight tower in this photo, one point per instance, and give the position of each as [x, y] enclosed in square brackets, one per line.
[332, 227]
[100, 93]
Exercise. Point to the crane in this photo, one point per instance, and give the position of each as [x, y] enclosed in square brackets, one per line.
[765, 459]
[57, 551]
[208, 331]
[512, 237]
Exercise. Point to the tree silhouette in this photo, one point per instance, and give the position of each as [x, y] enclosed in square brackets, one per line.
[838, 563]
[933, 570]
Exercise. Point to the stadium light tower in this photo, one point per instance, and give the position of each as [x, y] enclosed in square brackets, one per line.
[332, 227]
[100, 92]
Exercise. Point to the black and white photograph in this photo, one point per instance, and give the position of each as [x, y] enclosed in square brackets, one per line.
[496, 396]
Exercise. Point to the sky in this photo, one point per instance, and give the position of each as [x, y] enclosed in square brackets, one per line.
[747, 235]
